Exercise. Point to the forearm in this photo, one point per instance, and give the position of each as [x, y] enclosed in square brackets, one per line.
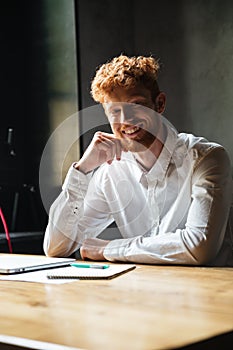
[179, 248]
[62, 234]
[80, 212]
[162, 249]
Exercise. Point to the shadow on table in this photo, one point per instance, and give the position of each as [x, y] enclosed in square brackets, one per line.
[223, 341]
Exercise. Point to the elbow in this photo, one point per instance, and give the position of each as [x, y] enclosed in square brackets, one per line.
[56, 246]
[46, 246]
[201, 256]
[202, 250]
[52, 251]
[50, 244]
[202, 259]
[48, 249]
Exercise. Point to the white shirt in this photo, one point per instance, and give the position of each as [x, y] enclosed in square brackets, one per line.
[174, 214]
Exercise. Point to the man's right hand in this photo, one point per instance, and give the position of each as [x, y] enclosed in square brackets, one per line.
[103, 148]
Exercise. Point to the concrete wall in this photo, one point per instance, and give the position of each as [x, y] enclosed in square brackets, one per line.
[192, 38]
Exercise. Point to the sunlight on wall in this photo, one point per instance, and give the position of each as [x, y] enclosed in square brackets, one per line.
[62, 75]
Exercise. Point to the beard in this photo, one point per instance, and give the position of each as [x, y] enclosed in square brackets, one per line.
[138, 145]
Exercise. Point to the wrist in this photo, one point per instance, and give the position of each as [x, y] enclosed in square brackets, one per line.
[82, 168]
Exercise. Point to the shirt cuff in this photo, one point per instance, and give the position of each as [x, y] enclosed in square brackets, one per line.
[75, 180]
[115, 250]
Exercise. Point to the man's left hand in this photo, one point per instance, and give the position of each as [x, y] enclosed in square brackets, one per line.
[93, 249]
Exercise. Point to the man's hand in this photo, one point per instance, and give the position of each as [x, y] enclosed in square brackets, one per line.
[103, 148]
[93, 249]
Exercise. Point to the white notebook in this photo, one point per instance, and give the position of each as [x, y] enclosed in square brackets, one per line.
[83, 273]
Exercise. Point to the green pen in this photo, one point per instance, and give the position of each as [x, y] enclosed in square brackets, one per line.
[90, 266]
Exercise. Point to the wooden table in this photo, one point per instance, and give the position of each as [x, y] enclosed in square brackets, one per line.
[151, 307]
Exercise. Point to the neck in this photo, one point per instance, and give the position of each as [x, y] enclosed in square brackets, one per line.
[148, 157]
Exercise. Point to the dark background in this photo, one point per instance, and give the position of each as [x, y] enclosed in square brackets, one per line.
[49, 52]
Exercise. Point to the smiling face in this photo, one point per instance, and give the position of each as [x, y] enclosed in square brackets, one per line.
[133, 118]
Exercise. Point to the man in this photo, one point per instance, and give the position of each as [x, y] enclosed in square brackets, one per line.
[168, 193]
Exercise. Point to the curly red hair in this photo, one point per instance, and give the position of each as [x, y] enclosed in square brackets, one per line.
[126, 72]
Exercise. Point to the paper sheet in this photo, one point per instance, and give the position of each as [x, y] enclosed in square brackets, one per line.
[31, 344]
[36, 276]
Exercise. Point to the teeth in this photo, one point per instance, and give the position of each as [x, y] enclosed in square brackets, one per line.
[131, 131]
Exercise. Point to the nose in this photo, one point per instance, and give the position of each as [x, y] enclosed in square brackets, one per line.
[126, 115]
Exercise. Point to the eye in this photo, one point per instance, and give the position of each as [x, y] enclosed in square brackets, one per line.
[115, 113]
[137, 107]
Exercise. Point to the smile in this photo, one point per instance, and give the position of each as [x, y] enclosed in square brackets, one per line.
[130, 131]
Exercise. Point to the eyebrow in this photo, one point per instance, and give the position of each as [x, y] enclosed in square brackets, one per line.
[135, 100]
[138, 99]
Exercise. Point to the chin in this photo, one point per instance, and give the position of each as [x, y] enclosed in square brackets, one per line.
[135, 146]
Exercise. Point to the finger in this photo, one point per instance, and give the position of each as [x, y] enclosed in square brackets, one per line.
[110, 148]
[118, 149]
[113, 138]
[86, 248]
[105, 140]
[83, 253]
[107, 135]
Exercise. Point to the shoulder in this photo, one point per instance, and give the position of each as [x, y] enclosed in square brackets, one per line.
[201, 147]
[201, 144]
[206, 154]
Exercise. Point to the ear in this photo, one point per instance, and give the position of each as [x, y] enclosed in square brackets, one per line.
[160, 102]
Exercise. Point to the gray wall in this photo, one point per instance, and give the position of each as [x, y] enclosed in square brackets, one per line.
[192, 38]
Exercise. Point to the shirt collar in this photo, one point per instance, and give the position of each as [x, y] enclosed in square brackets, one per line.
[135, 167]
[159, 169]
